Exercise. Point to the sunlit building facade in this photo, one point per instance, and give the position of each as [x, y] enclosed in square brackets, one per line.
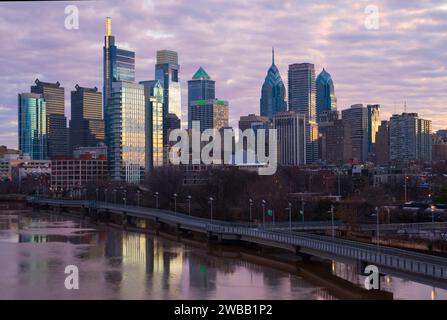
[32, 123]
[212, 114]
[153, 92]
[373, 126]
[126, 143]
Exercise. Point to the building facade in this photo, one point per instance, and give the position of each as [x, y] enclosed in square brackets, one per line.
[373, 126]
[326, 100]
[86, 124]
[200, 87]
[357, 117]
[57, 131]
[291, 133]
[126, 141]
[212, 114]
[382, 144]
[153, 92]
[410, 138]
[336, 142]
[302, 89]
[32, 124]
[167, 71]
[273, 92]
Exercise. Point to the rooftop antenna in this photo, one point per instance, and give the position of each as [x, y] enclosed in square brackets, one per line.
[273, 55]
[405, 106]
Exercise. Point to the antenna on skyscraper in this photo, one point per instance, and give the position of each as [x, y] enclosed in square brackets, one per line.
[405, 106]
[273, 55]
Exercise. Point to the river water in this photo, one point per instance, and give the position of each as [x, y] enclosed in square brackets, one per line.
[35, 249]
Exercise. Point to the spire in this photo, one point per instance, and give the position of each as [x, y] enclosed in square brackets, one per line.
[201, 74]
[108, 26]
[273, 55]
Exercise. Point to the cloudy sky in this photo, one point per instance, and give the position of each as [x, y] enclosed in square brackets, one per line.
[405, 59]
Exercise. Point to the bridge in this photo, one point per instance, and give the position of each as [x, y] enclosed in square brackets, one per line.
[424, 268]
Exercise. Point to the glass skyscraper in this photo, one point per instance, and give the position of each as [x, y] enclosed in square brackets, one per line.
[212, 114]
[273, 92]
[201, 87]
[326, 100]
[126, 141]
[119, 64]
[32, 120]
[153, 92]
[167, 72]
[57, 131]
[86, 124]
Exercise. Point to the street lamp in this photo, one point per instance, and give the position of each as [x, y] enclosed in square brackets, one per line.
[105, 194]
[124, 197]
[377, 235]
[97, 194]
[211, 199]
[263, 212]
[156, 199]
[302, 209]
[85, 193]
[175, 202]
[332, 218]
[290, 216]
[114, 195]
[250, 201]
[138, 197]
[189, 204]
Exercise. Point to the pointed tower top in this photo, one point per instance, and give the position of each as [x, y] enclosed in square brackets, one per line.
[201, 74]
[273, 55]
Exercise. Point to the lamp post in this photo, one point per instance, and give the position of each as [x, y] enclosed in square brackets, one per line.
[302, 209]
[105, 194]
[114, 195]
[175, 202]
[290, 216]
[405, 187]
[85, 194]
[250, 203]
[124, 197]
[333, 226]
[377, 231]
[156, 199]
[211, 199]
[189, 204]
[97, 194]
[138, 197]
[263, 212]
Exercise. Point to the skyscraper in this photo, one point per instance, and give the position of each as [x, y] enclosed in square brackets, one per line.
[153, 92]
[410, 138]
[326, 100]
[373, 126]
[32, 120]
[357, 118]
[212, 114]
[291, 131]
[302, 99]
[382, 146]
[167, 72]
[57, 131]
[119, 64]
[200, 87]
[253, 121]
[273, 92]
[126, 143]
[86, 124]
[302, 89]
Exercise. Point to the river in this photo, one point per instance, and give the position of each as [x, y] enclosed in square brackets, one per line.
[36, 247]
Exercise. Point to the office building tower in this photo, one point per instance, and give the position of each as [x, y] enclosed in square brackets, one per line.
[86, 124]
[373, 126]
[291, 133]
[252, 121]
[119, 64]
[326, 100]
[357, 117]
[335, 138]
[273, 92]
[200, 87]
[126, 143]
[57, 131]
[302, 90]
[382, 145]
[212, 114]
[410, 138]
[153, 92]
[32, 124]
[167, 72]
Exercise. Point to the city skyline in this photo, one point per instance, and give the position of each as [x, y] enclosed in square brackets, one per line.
[384, 73]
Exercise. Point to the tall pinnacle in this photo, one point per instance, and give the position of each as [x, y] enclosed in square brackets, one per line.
[273, 55]
[108, 26]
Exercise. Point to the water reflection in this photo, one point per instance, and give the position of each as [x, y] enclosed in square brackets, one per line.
[115, 264]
